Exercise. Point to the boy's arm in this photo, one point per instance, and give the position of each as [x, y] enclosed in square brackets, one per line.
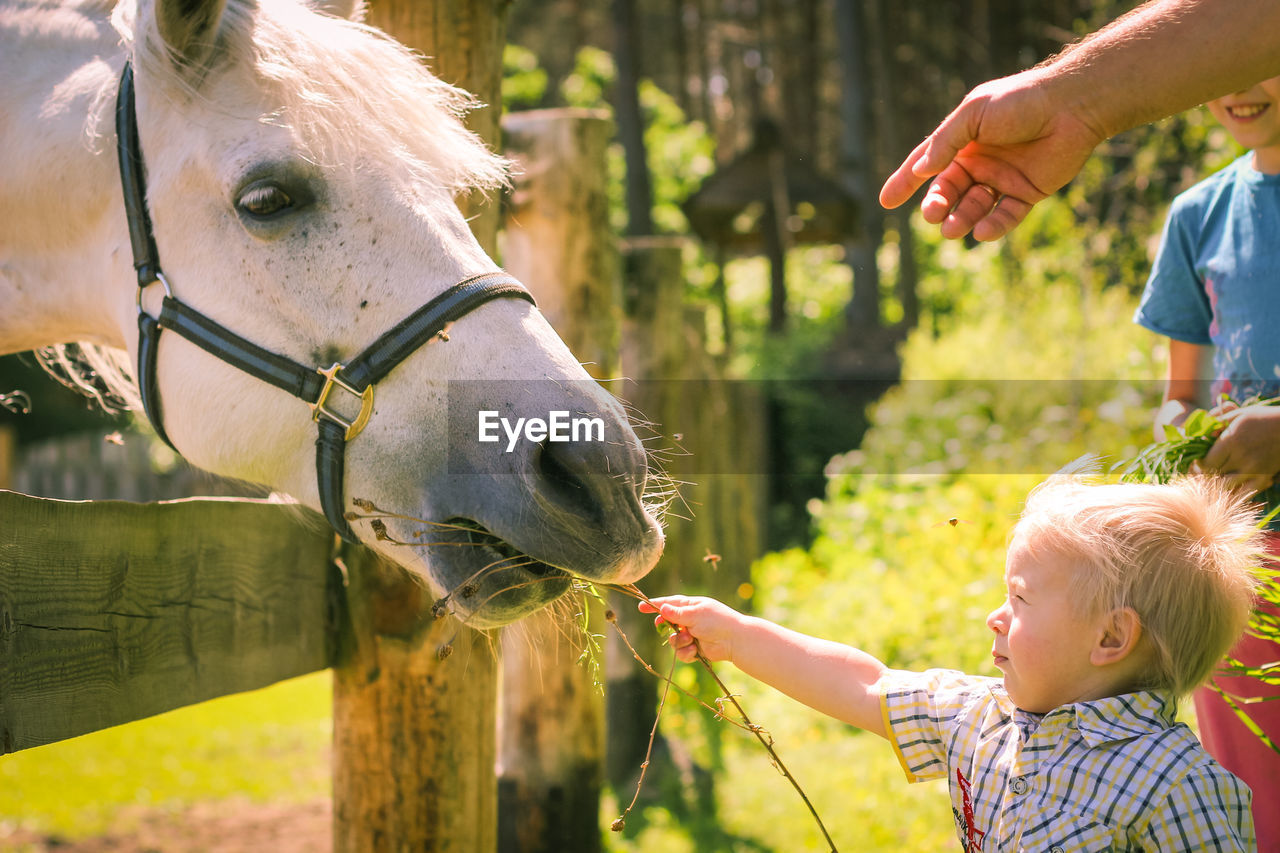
[1190, 368]
[837, 680]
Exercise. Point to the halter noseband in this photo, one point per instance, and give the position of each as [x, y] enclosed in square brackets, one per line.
[314, 385]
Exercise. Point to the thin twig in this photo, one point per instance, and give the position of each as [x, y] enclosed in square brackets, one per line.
[620, 823]
[719, 713]
[759, 731]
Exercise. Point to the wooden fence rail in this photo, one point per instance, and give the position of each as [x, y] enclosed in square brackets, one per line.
[113, 611]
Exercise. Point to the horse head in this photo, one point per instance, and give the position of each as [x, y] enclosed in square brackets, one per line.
[301, 175]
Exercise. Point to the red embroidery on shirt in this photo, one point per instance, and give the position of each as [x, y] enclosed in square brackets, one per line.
[973, 837]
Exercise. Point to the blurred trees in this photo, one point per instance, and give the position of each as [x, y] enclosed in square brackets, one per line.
[855, 84]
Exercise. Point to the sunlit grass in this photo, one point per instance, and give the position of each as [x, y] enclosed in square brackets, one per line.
[265, 745]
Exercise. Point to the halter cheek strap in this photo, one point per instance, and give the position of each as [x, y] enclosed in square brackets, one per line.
[314, 385]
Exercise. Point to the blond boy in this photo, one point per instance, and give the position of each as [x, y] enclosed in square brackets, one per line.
[1120, 599]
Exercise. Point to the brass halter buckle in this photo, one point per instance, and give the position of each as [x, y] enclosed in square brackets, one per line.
[318, 409]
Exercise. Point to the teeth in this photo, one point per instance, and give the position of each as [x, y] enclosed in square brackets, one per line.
[1247, 111]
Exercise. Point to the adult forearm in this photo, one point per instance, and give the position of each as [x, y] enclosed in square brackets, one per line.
[837, 680]
[1164, 57]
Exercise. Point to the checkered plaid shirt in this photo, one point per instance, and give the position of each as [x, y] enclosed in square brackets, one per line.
[1112, 774]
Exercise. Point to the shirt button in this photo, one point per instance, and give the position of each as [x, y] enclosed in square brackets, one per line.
[1056, 849]
[1019, 785]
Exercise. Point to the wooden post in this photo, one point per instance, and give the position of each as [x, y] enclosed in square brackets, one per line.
[413, 722]
[557, 238]
[414, 727]
[558, 242]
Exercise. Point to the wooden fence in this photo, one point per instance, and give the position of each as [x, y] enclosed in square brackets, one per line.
[113, 611]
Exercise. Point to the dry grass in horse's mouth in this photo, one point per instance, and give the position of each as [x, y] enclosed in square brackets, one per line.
[475, 535]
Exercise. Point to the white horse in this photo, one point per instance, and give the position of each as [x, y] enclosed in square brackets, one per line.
[301, 170]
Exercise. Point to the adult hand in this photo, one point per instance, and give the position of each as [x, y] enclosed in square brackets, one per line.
[1006, 147]
[700, 623]
[1247, 452]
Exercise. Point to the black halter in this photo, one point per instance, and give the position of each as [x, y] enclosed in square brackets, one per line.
[313, 385]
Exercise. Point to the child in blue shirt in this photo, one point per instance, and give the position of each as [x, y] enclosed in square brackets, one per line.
[1214, 291]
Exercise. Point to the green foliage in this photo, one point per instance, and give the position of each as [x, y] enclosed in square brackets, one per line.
[524, 83]
[680, 153]
[1161, 461]
[1186, 444]
[592, 76]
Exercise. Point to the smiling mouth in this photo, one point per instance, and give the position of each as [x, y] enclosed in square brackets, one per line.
[1247, 112]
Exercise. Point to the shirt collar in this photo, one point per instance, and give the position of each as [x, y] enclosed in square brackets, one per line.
[1122, 717]
[1102, 720]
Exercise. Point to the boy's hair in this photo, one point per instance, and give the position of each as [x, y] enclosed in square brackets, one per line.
[1183, 555]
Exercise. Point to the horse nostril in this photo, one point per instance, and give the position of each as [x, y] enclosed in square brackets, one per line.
[567, 473]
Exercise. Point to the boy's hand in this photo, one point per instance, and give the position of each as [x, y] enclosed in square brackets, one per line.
[704, 620]
[1247, 452]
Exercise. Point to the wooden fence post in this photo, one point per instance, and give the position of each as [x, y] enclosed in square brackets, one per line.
[413, 722]
[414, 728]
[551, 720]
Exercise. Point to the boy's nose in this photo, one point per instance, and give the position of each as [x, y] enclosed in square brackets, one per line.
[996, 620]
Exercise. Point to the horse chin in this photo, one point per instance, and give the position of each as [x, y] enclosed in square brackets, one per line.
[488, 582]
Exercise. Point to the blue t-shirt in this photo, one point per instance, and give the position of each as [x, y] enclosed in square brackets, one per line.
[1216, 278]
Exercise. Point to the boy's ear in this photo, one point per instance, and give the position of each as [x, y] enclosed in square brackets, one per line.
[1121, 631]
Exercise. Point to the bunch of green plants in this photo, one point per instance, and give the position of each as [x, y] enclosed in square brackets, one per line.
[1161, 461]
[1186, 444]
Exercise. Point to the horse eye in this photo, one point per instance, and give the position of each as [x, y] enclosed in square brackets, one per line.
[264, 200]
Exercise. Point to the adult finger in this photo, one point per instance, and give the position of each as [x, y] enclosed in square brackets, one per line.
[945, 192]
[933, 155]
[1002, 219]
[940, 148]
[1225, 460]
[903, 183]
[974, 205]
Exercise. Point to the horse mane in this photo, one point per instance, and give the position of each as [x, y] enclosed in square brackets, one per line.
[348, 91]
[350, 94]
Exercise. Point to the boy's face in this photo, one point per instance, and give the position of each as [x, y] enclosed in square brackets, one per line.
[1252, 117]
[1042, 646]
